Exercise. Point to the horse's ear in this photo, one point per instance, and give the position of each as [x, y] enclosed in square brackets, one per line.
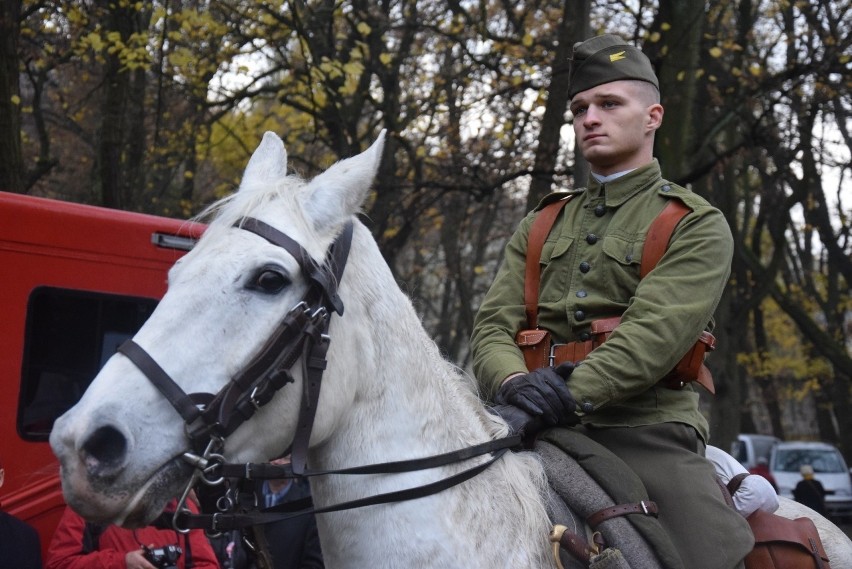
[339, 192]
[267, 164]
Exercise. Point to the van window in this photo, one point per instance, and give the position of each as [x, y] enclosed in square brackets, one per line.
[69, 336]
[822, 460]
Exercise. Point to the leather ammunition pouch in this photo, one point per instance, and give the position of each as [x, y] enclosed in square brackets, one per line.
[539, 351]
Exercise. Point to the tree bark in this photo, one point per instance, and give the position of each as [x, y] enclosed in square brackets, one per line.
[574, 27]
[11, 160]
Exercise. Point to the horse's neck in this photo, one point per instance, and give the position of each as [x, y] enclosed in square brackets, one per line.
[410, 403]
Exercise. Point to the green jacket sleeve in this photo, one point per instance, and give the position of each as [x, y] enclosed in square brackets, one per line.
[501, 315]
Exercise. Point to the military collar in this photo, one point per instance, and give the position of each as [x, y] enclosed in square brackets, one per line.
[618, 191]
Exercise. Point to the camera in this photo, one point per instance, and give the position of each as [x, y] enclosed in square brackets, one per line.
[163, 557]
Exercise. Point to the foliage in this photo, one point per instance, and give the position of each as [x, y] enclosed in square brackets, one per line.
[155, 106]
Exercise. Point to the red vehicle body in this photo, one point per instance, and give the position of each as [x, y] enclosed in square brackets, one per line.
[77, 280]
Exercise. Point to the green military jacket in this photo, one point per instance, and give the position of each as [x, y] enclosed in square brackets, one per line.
[590, 270]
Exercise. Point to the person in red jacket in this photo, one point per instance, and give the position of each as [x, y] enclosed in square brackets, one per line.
[77, 544]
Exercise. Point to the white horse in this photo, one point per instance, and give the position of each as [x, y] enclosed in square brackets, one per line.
[387, 394]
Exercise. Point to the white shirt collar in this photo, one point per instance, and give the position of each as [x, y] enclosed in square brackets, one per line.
[604, 179]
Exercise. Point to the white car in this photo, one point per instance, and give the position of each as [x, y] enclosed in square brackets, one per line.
[750, 448]
[829, 468]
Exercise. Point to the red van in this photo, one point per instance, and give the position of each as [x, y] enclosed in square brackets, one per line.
[77, 281]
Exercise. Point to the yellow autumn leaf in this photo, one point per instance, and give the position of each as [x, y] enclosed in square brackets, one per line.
[527, 40]
[353, 68]
[716, 51]
[665, 26]
[385, 58]
[364, 28]
[16, 100]
[654, 37]
[754, 69]
[94, 40]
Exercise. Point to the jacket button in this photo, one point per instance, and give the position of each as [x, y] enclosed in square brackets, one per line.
[580, 315]
[591, 238]
[585, 336]
[600, 210]
[667, 188]
[582, 294]
[585, 267]
[588, 407]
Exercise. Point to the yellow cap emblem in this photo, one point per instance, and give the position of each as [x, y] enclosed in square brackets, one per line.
[617, 56]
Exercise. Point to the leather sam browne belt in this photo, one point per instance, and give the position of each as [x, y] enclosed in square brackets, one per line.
[536, 344]
[688, 369]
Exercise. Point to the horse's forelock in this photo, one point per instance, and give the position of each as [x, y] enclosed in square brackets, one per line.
[249, 201]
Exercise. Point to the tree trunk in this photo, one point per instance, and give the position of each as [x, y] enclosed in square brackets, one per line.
[11, 161]
[676, 57]
[573, 28]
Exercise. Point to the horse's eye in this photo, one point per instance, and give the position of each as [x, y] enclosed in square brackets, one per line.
[270, 281]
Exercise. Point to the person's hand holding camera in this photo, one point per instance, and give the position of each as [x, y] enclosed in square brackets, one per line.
[542, 393]
[136, 560]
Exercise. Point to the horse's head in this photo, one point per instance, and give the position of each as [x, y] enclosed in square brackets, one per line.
[121, 447]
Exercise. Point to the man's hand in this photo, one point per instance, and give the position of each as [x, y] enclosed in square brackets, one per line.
[136, 560]
[520, 422]
[542, 393]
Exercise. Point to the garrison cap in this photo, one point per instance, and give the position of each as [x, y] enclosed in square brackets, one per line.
[607, 58]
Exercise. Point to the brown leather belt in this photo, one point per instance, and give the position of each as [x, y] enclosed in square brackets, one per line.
[690, 367]
[645, 507]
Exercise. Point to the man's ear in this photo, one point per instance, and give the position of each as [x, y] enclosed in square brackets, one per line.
[655, 117]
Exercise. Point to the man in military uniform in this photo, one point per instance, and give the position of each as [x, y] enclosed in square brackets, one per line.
[590, 270]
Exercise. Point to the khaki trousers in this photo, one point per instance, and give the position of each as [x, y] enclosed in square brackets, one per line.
[669, 459]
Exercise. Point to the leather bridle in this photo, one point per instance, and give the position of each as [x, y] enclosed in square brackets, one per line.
[302, 333]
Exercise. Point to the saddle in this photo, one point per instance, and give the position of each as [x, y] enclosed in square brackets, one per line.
[600, 507]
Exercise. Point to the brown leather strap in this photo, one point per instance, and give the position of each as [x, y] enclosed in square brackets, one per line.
[574, 544]
[646, 508]
[541, 226]
[659, 234]
[656, 242]
[734, 483]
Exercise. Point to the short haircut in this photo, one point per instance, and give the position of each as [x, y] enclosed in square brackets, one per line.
[645, 92]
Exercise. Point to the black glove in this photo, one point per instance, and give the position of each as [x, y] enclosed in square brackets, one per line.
[520, 422]
[542, 393]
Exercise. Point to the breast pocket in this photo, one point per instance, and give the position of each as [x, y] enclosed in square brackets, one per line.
[555, 270]
[622, 257]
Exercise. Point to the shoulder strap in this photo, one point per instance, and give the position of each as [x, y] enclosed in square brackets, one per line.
[657, 240]
[656, 243]
[539, 231]
[91, 537]
[735, 482]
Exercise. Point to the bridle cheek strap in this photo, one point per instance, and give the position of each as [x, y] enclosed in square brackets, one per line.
[303, 332]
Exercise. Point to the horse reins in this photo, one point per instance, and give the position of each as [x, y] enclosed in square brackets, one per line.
[302, 333]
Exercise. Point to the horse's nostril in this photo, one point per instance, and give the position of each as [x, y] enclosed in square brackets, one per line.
[105, 447]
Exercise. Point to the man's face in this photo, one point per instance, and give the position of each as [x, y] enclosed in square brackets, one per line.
[614, 125]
